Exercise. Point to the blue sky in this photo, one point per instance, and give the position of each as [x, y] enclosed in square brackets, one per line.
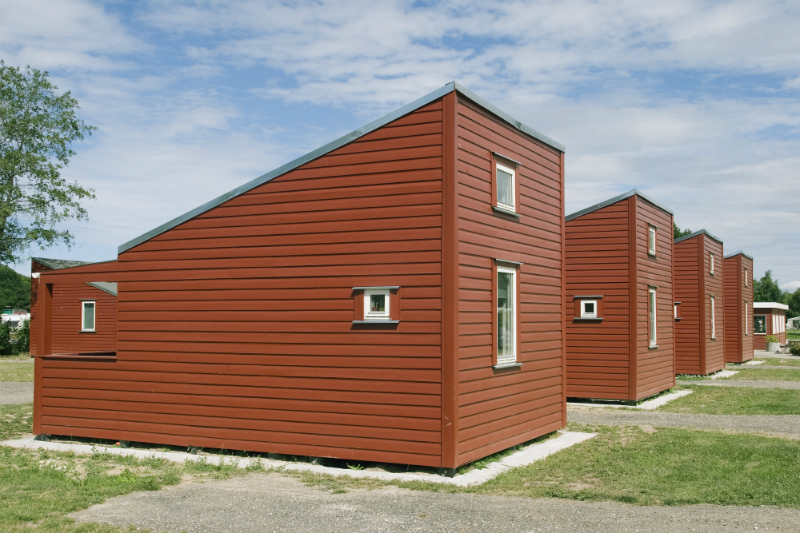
[695, 103]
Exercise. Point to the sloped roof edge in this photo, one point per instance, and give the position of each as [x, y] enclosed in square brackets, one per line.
[737, 253]
[614, 200]
[59, 264]
[695, 234]
[333, 145]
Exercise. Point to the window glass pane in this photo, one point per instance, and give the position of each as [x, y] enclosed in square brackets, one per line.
[652, 316]
[377, 303]
[589, 308]
[88, 315]
[652, 240]
[505, 187]
[505, 315]
[713, 319]
[760, 324]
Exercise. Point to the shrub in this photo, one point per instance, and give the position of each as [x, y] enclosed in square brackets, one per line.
[794, 349]
[22, 343]
[772, 338]
[5, 339]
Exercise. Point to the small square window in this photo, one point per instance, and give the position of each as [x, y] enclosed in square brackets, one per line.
[88, 316]
[677, 310]
[506, 191]
[588, 308]
[376, 304]
[651, 240]
[711, 263]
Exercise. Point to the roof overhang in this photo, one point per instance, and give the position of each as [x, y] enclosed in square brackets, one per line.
[695, 234]
[770, 305]
[614, 200]
[734, 254]
[338, 143]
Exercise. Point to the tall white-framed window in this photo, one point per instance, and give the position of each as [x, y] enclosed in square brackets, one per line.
[713, 319]
[588, 308]
[506, 187]
[746, 332]
[711, 263]
[652, 318]
[651, 240]
[376, 304]
[745, 276]
[506, 315]
[88, 315]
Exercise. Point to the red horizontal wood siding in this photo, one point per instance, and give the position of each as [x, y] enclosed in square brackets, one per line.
[697, 352]
[655, 367]
[598, 263]
[235, 328]
[738, 328]
[66, 334]
[498, 409]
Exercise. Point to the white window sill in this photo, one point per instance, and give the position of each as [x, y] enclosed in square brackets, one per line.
[507, 365]
[652, 347]
[505, 211]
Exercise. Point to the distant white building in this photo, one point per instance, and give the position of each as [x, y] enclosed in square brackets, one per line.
[14, 317]
[793, 323]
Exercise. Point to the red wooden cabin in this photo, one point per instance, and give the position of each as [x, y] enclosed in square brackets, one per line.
[71, 336]
[699, 304]
[738, 318]
[393, 296]
[769, 318]
[619, 299]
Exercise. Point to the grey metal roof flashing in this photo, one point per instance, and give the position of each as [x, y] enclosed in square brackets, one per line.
[341, 141]
[58, 264]
[614, 200]
[737, 253]
[695, 234]
[106, 286]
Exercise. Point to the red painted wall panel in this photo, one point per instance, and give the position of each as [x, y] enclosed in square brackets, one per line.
[738, 328]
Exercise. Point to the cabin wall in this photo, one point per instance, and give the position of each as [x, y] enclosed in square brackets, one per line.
[498, 409]
[236, 327]
[598, 263]
[655, 367]
[688, 292]
[747, 295]
[66, 334]
[713, 285]
[35, 267]
[738, 338]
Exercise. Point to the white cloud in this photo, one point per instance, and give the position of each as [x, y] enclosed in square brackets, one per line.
[792, 286]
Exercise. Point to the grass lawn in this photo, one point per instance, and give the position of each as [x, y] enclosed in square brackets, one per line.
[789, 374]
[20, 357]
[40, 487]
[793, 334]
[645, 467]
[735, 401]
[774, 361]
[16, 372]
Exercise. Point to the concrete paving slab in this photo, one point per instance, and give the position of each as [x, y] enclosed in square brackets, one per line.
[647, 406]
[526, 456]
[259, 503]
[723, 374]
[751, 363]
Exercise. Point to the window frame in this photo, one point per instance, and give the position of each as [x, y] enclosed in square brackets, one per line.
[513, 167]
[711, 263]
[755, 316]
[652, 316]
[676, 311]
[713, 317]
[386, 314]
[745, 319]
[83, 316]
[513, 268]
[584, 312]
[652, 247]
[745, 276]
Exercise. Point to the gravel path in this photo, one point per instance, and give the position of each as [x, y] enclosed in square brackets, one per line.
[759, 384]
[776, 425]
[271, 502]
[12, 392]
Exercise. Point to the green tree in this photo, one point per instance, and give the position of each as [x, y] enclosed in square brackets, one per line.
[15, 289]
[678, 232]
[766, 289]
[37, 129]
[792, 299]
[5, 339]
[22, 343]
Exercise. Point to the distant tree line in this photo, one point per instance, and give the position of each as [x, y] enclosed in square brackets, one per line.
[767, 289]
[15, 289]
